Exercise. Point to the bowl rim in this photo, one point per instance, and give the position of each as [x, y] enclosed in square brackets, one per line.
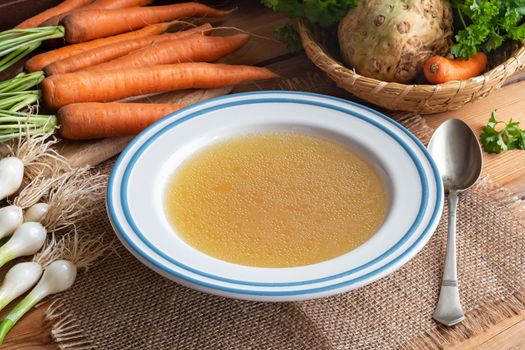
[424, 235]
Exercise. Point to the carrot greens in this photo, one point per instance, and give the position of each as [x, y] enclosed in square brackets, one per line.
[15, 44]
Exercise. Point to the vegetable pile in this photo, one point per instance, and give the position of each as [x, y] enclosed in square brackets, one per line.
[119, 50]
[393, 40]
[42, 221]
[390, 40]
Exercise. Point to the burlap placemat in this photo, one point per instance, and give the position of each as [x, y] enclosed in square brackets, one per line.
[121, 304]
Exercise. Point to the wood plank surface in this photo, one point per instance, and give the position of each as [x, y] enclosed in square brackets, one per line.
[299, 73]
[507, 168]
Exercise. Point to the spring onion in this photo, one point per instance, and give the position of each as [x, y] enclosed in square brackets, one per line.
[11, 175]
[16, 124]
[27, 240]
[22, 82]
[18, 280]
[58, 277]
[15, 101]
[36, 212]
[15, 93]
[18, 43]
[10, 218]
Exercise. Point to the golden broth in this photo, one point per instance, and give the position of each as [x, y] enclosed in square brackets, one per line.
[276, 199]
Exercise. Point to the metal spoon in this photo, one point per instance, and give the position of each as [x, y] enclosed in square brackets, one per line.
[457, 153]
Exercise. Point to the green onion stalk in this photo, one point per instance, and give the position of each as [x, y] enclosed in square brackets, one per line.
[15, 44]
[14, 125]
[21, 82]
[57, 277]
[16, 101]
[15, 96]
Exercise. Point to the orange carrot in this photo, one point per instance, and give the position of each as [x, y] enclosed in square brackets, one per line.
[63, 7]
[103, 86]
[115, 4]
[90, 24]
[109, 52]
[38, 62]
[97, 5]
[439, 69]
[91, 120]
[189, 49]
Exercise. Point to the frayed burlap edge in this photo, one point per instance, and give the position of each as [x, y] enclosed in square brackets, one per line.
[68, 335]
[488, 314]
[476, 322]
[65, 330]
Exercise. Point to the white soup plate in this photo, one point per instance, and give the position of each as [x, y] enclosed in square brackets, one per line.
[137, 185]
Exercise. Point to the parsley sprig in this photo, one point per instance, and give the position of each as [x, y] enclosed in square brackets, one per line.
[290, 36]
[499, 136]
[323, 12]
[487, 24]
[326, 13]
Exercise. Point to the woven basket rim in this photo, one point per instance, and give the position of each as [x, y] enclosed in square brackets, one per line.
[305, 30]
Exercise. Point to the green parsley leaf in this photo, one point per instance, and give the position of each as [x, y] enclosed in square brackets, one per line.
[496, 139]
[487, 24]
[493, 42]
[521, 141]
[323, 12]
[290, 36]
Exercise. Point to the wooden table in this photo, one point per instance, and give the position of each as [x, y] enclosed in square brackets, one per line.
[507, 169]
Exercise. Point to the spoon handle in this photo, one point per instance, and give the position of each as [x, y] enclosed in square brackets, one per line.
[448, 310]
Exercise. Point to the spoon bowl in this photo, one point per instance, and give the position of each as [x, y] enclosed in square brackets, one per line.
[457, 153]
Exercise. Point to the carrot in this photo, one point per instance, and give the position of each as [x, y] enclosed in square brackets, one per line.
[63, 7]
[115, 4]
[189, 49]
[439, 69]
[102, 86]
[38, 62]
[97, 5]
[90, 24]
[83, 121]
[112, 51]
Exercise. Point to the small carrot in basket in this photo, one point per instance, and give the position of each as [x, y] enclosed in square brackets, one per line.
[113, 51]
[64, 7]
[103, 86]
[439, 69]
[89, 24]
[84, 121]
[38, 62]
[189, 49]
[97, 5]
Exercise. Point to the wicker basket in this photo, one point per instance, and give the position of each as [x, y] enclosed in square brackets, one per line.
[412, 98]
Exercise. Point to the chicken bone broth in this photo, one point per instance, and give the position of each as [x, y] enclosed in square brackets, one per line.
[275, 199]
